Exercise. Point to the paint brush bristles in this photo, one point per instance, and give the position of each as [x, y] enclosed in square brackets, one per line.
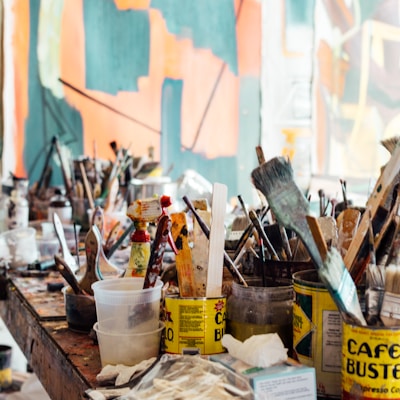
[274, 179]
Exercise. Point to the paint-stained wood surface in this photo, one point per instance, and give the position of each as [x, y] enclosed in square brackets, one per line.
[65, 362]
[47, 306]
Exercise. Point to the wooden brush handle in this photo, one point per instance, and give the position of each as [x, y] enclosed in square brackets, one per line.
[86, 184]
[45, 167]
[67, 181]
[377, 198]
[67, 274]
[260, 155]
[157, 252]
[318, 236]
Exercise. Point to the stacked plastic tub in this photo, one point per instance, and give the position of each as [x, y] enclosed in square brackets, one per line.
[128, 324]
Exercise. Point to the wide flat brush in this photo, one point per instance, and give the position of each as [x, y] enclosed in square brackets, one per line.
[274, 179]
[336, 277]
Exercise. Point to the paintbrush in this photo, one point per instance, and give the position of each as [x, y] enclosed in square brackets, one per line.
[390, 143]
[68, 275]
[46, 166]
[257, 224]
[66, 254]
[109, 252]
[321, 195]
[390, 311]
[157, 251]
[274, 179]
[64, 170]
[336, 277]
[86, 184]
[375, 283]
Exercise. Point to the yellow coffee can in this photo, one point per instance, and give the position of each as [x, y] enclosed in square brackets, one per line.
[194, 325]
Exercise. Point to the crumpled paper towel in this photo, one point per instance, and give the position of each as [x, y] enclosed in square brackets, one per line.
[258, 350]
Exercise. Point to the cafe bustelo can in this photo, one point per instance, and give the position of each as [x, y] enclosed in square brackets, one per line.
[194, 325]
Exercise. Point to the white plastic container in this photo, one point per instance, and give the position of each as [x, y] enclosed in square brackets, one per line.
[18, 246]
[123, 306]
[128, 348]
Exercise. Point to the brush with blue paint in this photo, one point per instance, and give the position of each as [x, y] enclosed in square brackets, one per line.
[275, 180]
[336, 277]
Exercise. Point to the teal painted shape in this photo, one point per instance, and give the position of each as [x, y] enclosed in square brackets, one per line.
[221, 169]
[249, 134]
[210, 24]
[299, 12]
[48, 117]
[117, 46]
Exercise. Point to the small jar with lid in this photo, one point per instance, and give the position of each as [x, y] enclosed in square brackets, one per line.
[255, 310]
[60, 205]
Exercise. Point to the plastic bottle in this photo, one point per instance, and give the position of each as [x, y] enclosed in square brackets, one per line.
[17, 210]
[140, 251]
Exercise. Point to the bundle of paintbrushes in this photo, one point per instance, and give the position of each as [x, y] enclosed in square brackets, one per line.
[274, 179]
[390, 306]
[360, 240]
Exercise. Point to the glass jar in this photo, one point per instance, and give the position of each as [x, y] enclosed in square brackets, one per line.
[255, 310]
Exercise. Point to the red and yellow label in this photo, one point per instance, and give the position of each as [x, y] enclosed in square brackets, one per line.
[370, 363]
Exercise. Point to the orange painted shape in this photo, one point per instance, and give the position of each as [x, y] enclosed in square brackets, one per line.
[21, 55]
[132, 4]
[249, 38]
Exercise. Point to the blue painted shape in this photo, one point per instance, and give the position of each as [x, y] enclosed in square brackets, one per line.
[221, 169]
[210, 24]
[48, 116]
[117, 46]
[299, 12]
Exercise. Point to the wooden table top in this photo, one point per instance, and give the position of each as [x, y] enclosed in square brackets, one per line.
[65, 362]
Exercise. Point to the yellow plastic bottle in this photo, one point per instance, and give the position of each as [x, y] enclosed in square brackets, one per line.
[140, 251]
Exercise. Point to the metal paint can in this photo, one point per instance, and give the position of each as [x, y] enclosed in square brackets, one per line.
[194, 325]
[317, 332]
[370, 363]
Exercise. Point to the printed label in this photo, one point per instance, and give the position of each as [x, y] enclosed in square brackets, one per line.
[194, 324]
[371, 363]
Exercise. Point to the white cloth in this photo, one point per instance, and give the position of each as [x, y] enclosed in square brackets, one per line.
[258, 350]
